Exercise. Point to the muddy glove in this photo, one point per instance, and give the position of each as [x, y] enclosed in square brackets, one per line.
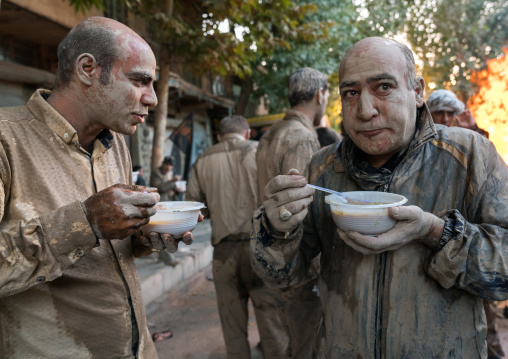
[119, 211]
[413, 225]
[286, 200]
[160, 241]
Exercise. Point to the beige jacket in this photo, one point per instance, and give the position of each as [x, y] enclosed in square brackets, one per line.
[61, 297]
[224, 178]
[288, 143]
[412, 302]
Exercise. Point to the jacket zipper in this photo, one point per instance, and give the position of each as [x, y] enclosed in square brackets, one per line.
[381, 275]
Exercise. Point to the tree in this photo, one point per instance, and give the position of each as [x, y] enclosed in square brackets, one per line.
[452, 39]
[322, 52]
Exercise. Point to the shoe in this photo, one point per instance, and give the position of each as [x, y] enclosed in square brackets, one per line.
[157, 337]
[167, 258]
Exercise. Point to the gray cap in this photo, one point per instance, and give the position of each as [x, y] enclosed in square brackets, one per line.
[444, 100]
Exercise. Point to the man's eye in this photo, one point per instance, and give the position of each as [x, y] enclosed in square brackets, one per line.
[350, 93]
[384, 87]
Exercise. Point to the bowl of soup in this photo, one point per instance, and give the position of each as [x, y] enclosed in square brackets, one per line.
[367, 212]
[174, 217]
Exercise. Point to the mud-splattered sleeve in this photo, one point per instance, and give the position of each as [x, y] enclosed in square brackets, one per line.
[474, 252]
[194, 191]
[39, 250]
[299, 157]
[276, 259]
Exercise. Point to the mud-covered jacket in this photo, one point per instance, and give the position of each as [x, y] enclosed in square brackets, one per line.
[413, 302]
[288, 143]
[224, 177]
[61, 296]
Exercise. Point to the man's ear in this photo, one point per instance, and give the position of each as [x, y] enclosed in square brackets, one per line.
[320, 96]
[86, 68]
[419, 91]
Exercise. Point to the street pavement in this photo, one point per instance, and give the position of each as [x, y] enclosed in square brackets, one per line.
[190, 311]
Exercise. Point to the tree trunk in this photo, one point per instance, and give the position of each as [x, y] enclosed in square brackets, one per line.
[161, 111]
[243, 99]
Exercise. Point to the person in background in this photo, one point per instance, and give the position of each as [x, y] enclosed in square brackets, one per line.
[290, 143]
[446, 109]
[327, 136]
[417, 290]
[68, 284]
[140, 181]
[164, 180]
[224, 177]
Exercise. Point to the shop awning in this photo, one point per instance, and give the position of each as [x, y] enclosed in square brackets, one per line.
[265, 120]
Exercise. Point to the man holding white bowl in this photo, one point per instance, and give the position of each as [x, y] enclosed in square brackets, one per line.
[415, 291]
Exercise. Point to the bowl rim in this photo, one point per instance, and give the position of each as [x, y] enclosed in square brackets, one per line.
[196, 206]
[367, 206]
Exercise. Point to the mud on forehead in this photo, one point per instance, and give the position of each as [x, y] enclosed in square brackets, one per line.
[362, 47]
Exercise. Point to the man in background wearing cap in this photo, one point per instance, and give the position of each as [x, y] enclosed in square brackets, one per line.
[164, 180]
[446, 109]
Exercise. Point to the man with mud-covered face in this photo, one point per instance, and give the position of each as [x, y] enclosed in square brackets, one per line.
[415, 291]
[70, 218]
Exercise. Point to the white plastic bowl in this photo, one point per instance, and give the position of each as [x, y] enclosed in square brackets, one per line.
[174, 217]
[367, 219]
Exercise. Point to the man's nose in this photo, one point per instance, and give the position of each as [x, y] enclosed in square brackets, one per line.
[366, 108]
[149, 98]
[448, 118]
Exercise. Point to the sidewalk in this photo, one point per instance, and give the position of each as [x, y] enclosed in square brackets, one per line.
[157, 278]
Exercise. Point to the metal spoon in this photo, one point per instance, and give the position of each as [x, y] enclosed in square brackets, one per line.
[344, 198]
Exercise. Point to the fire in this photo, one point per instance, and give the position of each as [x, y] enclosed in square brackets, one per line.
[490, 105]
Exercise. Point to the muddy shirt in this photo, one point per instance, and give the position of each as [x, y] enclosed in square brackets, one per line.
[60, 296]
[412, 302]
[224, 177]
[288, 143]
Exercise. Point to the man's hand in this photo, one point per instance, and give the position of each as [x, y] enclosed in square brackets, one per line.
[119, 211]
[160, 241]
[413, 225]
[466, 120]
[287, 197]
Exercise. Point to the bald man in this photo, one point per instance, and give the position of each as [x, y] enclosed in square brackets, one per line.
[70, 216]
[417, 290]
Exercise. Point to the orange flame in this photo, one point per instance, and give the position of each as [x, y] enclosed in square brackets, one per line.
[490, 105]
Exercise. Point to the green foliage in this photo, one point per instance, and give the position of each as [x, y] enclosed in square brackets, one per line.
[85, 5]
[451, 38]
[334, 31]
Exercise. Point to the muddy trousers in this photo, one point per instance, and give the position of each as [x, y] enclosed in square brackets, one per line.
[300, 312]
[236, 282]
[494, 349]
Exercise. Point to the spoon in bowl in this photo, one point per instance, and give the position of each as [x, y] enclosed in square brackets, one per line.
[341, 196]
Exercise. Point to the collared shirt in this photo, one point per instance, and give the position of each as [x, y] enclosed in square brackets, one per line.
[60, 296]
[224, 178]
[288, 143]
